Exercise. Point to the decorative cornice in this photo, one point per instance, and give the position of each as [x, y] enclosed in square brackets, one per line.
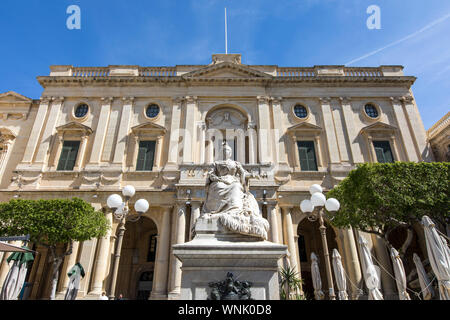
[128, 100]
[191, 99]
[107, 99]
[325, 100]
[263, 99]
[57, 100]
[345, 100]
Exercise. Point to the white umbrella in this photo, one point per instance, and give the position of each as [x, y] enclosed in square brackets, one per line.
[425, 285]
[369, 271]
[339, 274]
[315, 273]
[400, 275]
[16, 275]
[439, 256]
[75, 274]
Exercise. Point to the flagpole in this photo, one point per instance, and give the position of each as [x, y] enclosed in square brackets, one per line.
[226, 33]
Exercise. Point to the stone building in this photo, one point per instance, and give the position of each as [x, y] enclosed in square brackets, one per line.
[98, 129]
[439, 137]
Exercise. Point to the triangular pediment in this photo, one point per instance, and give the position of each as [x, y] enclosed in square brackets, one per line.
[149, 127]
[305, 126]
[14, 97]
[378, 126]
[227, 70]
[74, 126]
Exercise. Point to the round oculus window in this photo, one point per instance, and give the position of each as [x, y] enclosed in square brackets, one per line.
[81, 110]
[152, 111]
[371, 111]
[300, 111]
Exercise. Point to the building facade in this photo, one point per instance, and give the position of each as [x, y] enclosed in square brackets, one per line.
[98, 129]
[439, 137]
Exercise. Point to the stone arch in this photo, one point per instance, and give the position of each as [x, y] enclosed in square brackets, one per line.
[231, 123]
[133, 261]
[309, 240]
[232, 105]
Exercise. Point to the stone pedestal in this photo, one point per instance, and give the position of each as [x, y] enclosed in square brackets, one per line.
[214, 252]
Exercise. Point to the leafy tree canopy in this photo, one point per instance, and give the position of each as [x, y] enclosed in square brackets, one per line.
[378, 198]
[52, 222]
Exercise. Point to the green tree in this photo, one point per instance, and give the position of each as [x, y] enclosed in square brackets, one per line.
[379, 198]
[51, 223]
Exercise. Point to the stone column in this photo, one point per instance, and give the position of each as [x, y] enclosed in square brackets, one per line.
[202, 141]
[174, 132]
[100, 131]
[81, 153]
[279, 133]
[195, 214]
[101, 261]
[273, 221]
[240, 146]
[68, 263]
[125, 120]
[351, 261]
[394, 148]
[384, 259]
[319, 152]
[175, 272]
[59, 145]
[252, 143]
[403, 127]
[290, 239]
[352, 131]
[158, 153]
[189, 133]
[264, 144]
[418, 130]
[333, 150]
[52, 120]
[35, 133]
[372, 153]
[162, 257]
[295, 152]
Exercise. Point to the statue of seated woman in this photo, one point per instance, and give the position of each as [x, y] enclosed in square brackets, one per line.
[227, 195]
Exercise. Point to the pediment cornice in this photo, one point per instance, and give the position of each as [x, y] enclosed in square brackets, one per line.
[149, 128]
[226, 70]
[304, 127]
[378, 127]
[74, 127]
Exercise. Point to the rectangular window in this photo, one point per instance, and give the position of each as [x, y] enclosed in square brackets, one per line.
[383, 151]
[146, 156]
[152, 248]
[307, 155]
[68, 156]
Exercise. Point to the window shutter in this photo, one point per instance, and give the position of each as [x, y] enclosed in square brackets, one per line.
[383, 151]
[68, 156]
[146, 156]
[307, 156]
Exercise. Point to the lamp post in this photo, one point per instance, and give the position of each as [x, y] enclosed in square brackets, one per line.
[120, 211]
[314, 208]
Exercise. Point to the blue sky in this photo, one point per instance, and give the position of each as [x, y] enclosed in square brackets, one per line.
[277, 32]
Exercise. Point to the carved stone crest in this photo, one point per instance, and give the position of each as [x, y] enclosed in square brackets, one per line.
[230, 289]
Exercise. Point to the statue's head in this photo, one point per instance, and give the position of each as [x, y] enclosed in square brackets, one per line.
[227, 151]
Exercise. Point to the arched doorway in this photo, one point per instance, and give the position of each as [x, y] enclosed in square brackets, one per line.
[309, 240]
[137, 261]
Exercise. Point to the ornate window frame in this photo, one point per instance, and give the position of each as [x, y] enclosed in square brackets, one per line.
[159, 113]
[147, 132]
[366, 116]
[85, 117]
[72, 131]
[7, 138]
[380, 131]
[308, 110]
[302, 132]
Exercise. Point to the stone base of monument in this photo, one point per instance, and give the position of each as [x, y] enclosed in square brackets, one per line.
[215, 252]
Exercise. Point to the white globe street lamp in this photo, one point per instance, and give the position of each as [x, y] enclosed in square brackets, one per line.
[121, 210]
[319, 201]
